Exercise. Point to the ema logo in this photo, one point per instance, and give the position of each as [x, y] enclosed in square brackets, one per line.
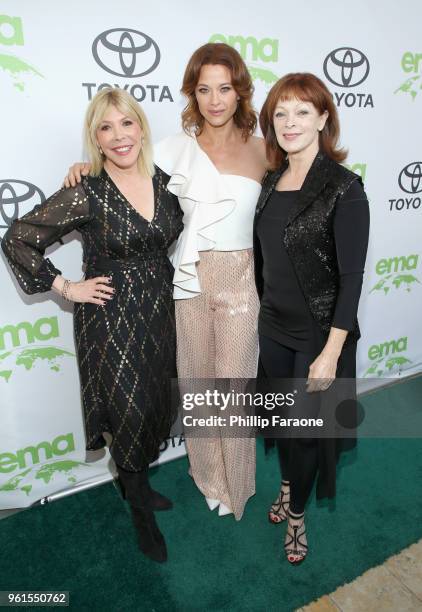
[254, 52]
[409, 181]
[411, 63]
[15, 341]
[385, 357]
[13, 194]
[32, 455]
[396, 273]
[26, 458]
[348, 67]
[11, 34]
[128, 53]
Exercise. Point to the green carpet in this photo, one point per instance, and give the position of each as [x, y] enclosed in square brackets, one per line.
[85, 543]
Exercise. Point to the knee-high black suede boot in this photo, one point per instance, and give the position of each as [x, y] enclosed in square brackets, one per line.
[150, 539]
[146, 496]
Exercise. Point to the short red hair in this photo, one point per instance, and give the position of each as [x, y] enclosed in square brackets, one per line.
[219, 54]
[309, 88]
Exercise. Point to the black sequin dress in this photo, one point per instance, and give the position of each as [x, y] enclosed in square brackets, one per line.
[127, 348]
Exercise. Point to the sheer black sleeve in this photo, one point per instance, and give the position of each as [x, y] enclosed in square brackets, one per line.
[25, 241]
[351, 230]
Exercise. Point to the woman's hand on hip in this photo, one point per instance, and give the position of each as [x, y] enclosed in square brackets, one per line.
[93, 290]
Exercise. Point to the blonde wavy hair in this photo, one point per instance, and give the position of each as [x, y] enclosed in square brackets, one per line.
[125, 103]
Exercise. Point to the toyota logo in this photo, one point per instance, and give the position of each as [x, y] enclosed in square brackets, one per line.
[410, 178]
[13, 193]
[346, 67]
[126, 53]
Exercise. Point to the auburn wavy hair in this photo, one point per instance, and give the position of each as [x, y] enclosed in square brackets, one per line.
[245, 117]
[309, 88]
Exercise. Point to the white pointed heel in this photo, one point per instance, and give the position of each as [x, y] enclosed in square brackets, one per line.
[212, 503]
[224, 510]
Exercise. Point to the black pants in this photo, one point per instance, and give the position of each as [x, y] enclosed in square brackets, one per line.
[298, 457]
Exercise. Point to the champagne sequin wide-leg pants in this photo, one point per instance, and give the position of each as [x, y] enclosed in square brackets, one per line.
[217, 338]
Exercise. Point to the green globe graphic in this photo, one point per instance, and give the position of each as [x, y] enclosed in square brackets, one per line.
[411, 86]
[17, 69]
[398, 281]
[267, 77]
[37, 372]
[46, 473]
[28, 358]
[390, 366]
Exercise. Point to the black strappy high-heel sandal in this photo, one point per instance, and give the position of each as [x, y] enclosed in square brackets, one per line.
[280, 508]
[294, 545]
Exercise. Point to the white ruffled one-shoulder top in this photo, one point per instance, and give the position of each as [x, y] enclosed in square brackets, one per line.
[218, 208]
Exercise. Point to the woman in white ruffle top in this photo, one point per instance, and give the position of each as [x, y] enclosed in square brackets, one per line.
[216, 166]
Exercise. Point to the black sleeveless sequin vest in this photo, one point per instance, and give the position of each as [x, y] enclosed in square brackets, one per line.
[309, 236]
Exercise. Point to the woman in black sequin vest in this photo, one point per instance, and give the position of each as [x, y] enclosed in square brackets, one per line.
[310, 242]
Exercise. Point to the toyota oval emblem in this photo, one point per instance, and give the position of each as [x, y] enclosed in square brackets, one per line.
[126, 53]
[346, 67]
[410, 178]
[14, 193]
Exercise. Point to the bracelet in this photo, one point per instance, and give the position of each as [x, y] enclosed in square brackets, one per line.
[66, 291]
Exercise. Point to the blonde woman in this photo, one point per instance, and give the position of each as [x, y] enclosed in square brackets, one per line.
[124, 313]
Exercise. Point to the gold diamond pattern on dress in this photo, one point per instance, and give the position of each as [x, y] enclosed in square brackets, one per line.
[126, 349]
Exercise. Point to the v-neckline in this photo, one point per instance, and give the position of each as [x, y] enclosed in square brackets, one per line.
[129, 203]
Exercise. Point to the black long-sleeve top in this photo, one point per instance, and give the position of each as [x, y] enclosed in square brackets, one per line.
[284, 314]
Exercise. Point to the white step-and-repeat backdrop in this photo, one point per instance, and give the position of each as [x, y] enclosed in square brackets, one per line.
[54, 56]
